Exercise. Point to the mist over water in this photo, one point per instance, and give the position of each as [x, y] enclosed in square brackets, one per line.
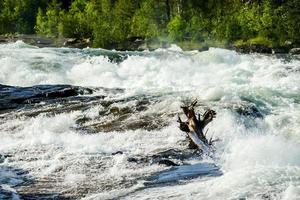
[68, 148]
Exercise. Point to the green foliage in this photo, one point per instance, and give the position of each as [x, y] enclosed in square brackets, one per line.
[255, 41]
[150, 20]
[47, 23]
[102, 29]
[123, 13]
[176, 28]
[19, 16]
[77, 22]
[292, 15]
[109, 22]
[260, 40]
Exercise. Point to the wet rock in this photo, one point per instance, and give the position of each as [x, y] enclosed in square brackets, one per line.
[42, 42]
[205, 48]
[167, 162]
[6, 194]
[44, 196]
[77, 43]
[149, 160]
[248, 110]
[183, 172]
[175, 154]
[280, 50]
[2, 40]
[115, 117]
[244, 108]
[70, 41]
[1, 158]
[82, 120]
[138, 160]
[117, 152]
[295, 51]
[253, 49]
[170, 157]
[131, 159]
[132, 43]
[14, 97]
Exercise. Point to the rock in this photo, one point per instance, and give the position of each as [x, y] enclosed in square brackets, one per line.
[77, 43]
[183, 172]
[170, 157]
[116, 153]
[70, 41]
[280, 50]
[253, 49]
[2, 158]
[205, 48]
[295, 51]
[14, 97]
[2, 40]
[42, 42]
[160, 161]
[167, 162]
[245, 108]
[138, 160]
[174, 154]
[248, 110]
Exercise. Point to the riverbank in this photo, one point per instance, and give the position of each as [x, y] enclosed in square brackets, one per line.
[43, 41]
[139, 44]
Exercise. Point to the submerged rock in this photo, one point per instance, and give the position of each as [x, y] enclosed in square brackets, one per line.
[170, 157]
[245, 108]
[248, 110]
[183, 172]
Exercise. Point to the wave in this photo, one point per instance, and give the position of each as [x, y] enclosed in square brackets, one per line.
[256, 97]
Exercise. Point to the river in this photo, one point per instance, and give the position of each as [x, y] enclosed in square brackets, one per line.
[108, 141]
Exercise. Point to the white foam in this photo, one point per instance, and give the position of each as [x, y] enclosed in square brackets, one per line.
[258, 157]
[291, 193]
[213, 73]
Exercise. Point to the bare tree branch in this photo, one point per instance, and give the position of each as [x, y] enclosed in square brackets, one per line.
[194, 126]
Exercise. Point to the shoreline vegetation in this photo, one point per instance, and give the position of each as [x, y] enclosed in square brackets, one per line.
[141, 45]
[262, 26]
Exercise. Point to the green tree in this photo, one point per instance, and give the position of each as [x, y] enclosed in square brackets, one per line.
[122, 14]
[76, 22]
[47, 23]
[102, 28]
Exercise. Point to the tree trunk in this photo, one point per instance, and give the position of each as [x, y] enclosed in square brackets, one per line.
[194, 126]
[168, 10]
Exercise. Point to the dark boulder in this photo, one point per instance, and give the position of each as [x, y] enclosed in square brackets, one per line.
[15, 97]
[253, 49]
[167, 163]
[282, 50]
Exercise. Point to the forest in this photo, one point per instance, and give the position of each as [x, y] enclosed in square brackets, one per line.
[106, 22]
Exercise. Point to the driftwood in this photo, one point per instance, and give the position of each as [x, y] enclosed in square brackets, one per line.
[194, 126]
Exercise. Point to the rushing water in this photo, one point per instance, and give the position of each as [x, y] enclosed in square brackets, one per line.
[107, 145]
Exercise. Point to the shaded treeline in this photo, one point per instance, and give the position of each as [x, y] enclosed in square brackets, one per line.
[267, 22]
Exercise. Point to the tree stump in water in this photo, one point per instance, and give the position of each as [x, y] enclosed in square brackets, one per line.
[194, 126]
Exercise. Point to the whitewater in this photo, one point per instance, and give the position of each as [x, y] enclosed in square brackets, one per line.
[107, 144]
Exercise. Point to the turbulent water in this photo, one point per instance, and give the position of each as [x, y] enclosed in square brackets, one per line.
[116, 142]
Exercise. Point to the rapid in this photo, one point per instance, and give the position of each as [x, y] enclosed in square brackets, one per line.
[108, 143]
